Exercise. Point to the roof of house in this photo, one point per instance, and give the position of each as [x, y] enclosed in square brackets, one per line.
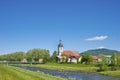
[69, 53]
[94, 57]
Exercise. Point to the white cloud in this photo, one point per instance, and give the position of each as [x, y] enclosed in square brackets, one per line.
[96, 38]
[101, 47]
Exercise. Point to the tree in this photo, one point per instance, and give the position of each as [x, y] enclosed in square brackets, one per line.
[86, 58]
[36, 54]
[115, 61]
[53, 57]
[103, 65]
[118, 59]
[16, 56]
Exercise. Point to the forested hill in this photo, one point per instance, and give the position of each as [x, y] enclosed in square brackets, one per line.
[100, 51]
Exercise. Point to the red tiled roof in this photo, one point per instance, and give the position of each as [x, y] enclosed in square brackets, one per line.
[94, 57]
[71, 53]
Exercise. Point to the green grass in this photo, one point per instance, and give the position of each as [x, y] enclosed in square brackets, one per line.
[13, 73]
[111, 73]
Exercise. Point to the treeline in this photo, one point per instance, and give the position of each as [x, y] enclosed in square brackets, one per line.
[104, 62]
[31, 55]
[112, 63]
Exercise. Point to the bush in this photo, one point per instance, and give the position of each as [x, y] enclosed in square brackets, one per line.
[103, 67]
[113, 68]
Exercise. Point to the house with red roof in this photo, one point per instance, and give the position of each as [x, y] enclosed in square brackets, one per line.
[67, 55]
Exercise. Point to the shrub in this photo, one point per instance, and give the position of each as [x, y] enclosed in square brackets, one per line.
[103, 67]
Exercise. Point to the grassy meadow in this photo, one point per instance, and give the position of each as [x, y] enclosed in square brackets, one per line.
[111, 73]
[13, 73]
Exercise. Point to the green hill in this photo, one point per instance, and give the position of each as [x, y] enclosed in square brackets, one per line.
[100, 51]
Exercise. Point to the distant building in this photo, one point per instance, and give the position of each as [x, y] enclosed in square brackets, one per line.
[106, 59]
[67, 55]
[40, 60]
[23, 60]
[95, 59]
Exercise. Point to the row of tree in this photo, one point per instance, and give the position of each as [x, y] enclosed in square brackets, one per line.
[36, 54]
[113, 63]
[31, 55]
[16, 56]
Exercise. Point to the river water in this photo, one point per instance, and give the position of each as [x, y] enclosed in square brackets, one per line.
[74, 75]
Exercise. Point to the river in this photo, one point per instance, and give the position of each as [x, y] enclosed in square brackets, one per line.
[74, 75]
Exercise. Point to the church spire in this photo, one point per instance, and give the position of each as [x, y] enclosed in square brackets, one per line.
[60, 48]
[60, 44]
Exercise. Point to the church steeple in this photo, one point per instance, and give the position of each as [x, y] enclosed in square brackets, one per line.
[60, 44]
[60, 48]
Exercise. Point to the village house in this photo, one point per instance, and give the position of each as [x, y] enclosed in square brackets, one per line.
[67, 55]
[23, 60]
[99, 59]
[105, 58]
[95, 59]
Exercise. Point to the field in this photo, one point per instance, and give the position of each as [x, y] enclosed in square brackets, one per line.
[13, 73]
[111, 73]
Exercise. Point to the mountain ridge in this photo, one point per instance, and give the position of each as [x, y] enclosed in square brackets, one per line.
[103, 51]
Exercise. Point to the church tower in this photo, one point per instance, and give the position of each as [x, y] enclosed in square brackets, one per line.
[60, 48]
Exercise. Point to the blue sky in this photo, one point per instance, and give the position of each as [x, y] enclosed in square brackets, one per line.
[81, 24]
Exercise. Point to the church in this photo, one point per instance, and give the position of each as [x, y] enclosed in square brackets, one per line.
[66, 55]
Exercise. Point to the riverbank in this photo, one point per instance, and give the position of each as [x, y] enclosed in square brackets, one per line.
[111, 73]
[13, 73]
[70, 67]
[74, 67]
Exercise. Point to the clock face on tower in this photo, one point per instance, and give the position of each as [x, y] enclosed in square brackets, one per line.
[61, 49]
